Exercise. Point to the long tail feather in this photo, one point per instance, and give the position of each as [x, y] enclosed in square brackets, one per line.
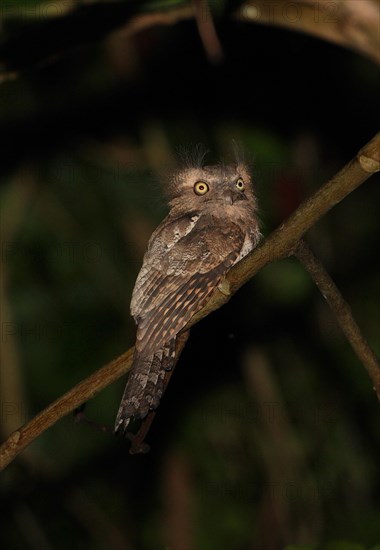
[145, 385]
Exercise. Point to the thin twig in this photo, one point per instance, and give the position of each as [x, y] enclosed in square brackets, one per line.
[279, 244]
[342, 312]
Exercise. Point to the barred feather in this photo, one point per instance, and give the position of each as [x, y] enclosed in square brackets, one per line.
[187, 257]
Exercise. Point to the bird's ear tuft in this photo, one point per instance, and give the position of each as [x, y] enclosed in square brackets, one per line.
[191, 156]
[239, 154]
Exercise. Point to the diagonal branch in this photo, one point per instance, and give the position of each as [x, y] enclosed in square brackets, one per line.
[281, 243]
[342, 312]
[79, 394]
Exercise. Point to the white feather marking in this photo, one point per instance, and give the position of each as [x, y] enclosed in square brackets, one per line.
[248, 245]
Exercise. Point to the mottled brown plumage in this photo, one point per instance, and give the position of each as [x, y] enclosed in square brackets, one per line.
[211, 225]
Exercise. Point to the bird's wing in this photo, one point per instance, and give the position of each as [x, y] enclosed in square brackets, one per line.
[172, 288]
[162, 240]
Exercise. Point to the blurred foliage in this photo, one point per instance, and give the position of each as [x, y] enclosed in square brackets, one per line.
[268, 435]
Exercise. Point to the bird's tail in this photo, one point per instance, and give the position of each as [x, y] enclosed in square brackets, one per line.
[145, 385]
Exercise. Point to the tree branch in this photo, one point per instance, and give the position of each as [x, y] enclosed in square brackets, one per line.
[71, 400]
[342, 312]
[207, 31]
[281, 243]
[353, 24]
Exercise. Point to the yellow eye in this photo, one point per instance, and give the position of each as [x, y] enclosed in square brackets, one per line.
[201, 188]
[240, 184]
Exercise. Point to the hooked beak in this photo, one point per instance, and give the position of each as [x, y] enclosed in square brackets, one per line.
[234, 195]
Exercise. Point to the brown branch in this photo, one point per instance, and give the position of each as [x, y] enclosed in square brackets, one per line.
[342, 312]
[353, 24]
[207, 31]
[281, 243]
[165, 18]
[71, 400]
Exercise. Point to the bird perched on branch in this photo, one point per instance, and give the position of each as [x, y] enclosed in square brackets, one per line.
[212, 225]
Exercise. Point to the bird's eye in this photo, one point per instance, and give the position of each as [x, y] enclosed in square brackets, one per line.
[240, 184]
[201, 188]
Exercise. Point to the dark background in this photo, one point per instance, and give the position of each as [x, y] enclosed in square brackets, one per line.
[268, 433]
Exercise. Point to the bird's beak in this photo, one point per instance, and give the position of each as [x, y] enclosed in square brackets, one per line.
[234, 195]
